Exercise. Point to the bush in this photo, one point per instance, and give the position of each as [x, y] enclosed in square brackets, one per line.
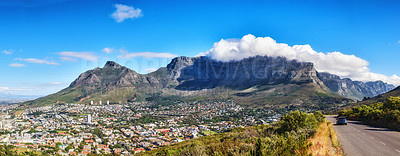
[293, 131]
[296, 120]
[385, 114]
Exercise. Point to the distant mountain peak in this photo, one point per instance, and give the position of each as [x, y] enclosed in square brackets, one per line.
[354, 89]
[112, 64]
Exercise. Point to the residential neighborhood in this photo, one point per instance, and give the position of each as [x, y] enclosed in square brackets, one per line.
[126, 129]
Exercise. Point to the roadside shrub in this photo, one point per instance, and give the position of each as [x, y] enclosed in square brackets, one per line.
[287, 137]
[385, 114]
[297, 120]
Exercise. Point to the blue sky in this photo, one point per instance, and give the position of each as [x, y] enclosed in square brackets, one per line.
[46, 44]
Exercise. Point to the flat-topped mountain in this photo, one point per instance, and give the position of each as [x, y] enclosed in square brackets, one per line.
[204, 73]
[256, 81]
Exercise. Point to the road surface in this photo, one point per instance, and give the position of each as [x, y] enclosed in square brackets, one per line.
[357, 139]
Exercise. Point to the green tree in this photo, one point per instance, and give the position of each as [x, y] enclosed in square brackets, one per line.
[319, 116]
[297, 120]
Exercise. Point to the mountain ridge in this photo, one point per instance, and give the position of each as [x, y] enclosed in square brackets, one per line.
[380, 98]
[258, 80]
[354, 89]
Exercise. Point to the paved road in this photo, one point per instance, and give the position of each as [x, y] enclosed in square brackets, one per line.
[357, 139]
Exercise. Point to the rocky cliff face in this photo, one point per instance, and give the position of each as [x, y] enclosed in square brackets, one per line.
[204, 73]
[354, 89]
[186, 73]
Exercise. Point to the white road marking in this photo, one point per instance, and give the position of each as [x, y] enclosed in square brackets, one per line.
[397, 151]
[371, 137]
[382, 143]
[363, 133]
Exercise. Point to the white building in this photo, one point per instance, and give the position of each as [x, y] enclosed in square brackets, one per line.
[89, 118]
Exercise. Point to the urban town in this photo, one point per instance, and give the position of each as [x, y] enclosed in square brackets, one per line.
[125, 129]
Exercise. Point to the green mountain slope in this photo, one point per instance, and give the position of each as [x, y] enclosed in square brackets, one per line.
[290, 96]
[381, 98]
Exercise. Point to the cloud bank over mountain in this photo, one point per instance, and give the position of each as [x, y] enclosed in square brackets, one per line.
[345, 66]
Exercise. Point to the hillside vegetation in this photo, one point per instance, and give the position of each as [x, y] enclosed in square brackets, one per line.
[383, 114]
[291, 96]
[380, 98]
[288, 137]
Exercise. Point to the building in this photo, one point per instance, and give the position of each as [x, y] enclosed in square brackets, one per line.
[89, 118]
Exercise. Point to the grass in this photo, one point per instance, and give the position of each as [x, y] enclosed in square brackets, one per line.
[19, 112]
[209, 132]
[325, 141]
[21, 150]
[62, 131]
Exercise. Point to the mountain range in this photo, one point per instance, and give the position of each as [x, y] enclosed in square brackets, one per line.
[380, 98]
[356, 90]
[258, 81]
[15, 98]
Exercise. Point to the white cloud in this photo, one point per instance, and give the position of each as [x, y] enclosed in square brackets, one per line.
[89, 56]
[150, 70]
[349, 66]
[17, 65]
[13, 89]
[38, 61]
[7, 52]
[124, 12]
[107, 50]
[201, 54]
[63, 59]
[126, 55]
[36, 88]
[123, 51]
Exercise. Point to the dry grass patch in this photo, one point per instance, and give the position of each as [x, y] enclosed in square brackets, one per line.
[19, 112]
[325, 141]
